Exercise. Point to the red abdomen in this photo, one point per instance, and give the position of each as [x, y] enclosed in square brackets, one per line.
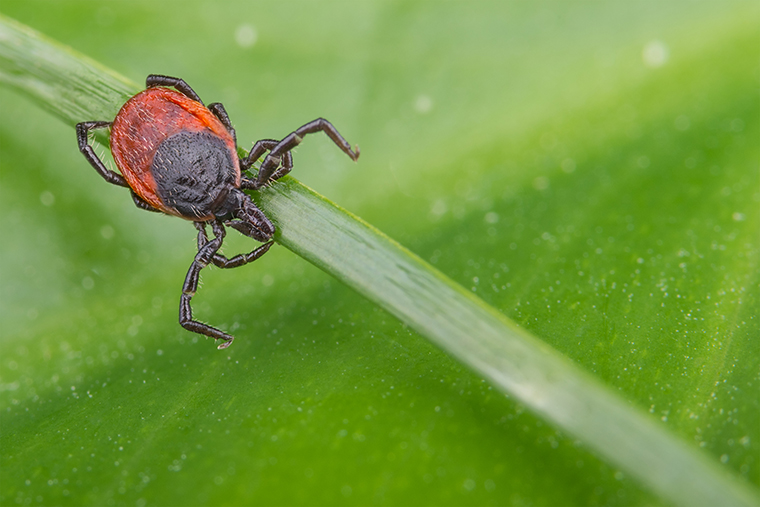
[144, 123]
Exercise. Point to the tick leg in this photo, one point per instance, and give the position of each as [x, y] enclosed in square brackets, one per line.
[174, 82]
[142, 204]
[220, 112]
[222, 261]
[269, 167]
[202, 259]
[259, 148]
[241, 259]
[82, 130]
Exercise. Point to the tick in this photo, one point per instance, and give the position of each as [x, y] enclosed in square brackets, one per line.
[179, 157]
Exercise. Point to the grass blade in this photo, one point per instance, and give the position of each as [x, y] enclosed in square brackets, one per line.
[75, 88]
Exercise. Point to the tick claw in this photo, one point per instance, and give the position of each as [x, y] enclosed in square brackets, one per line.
[226, 343]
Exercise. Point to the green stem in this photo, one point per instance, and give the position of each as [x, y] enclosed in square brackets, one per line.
[75, 88]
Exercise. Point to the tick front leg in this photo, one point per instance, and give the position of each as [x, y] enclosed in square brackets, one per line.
[259, 148]
[202, 259]
[269, 168]
[220, 260]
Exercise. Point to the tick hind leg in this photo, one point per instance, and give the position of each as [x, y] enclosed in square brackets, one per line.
[220, 112]
[112, 177]
[173, 82]
[274, 165]
[83, 129]
[140, 203]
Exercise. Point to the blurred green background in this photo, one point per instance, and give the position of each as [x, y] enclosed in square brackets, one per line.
[590, 169]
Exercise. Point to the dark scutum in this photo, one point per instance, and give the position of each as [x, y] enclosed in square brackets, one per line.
[190, 169]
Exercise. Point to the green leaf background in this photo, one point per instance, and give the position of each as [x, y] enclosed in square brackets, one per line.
[590, 169]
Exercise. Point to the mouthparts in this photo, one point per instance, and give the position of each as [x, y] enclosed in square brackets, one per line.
[251, 221]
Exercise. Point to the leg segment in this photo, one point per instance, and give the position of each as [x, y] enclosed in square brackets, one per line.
[220, 112]
[272, 162]
[142, 204]
[202, 259]
[174, 82]
[259, 148]
[82, 130]
[222, 261]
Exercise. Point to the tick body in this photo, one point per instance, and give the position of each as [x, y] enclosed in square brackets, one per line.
[174, 153]
[179, 157]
